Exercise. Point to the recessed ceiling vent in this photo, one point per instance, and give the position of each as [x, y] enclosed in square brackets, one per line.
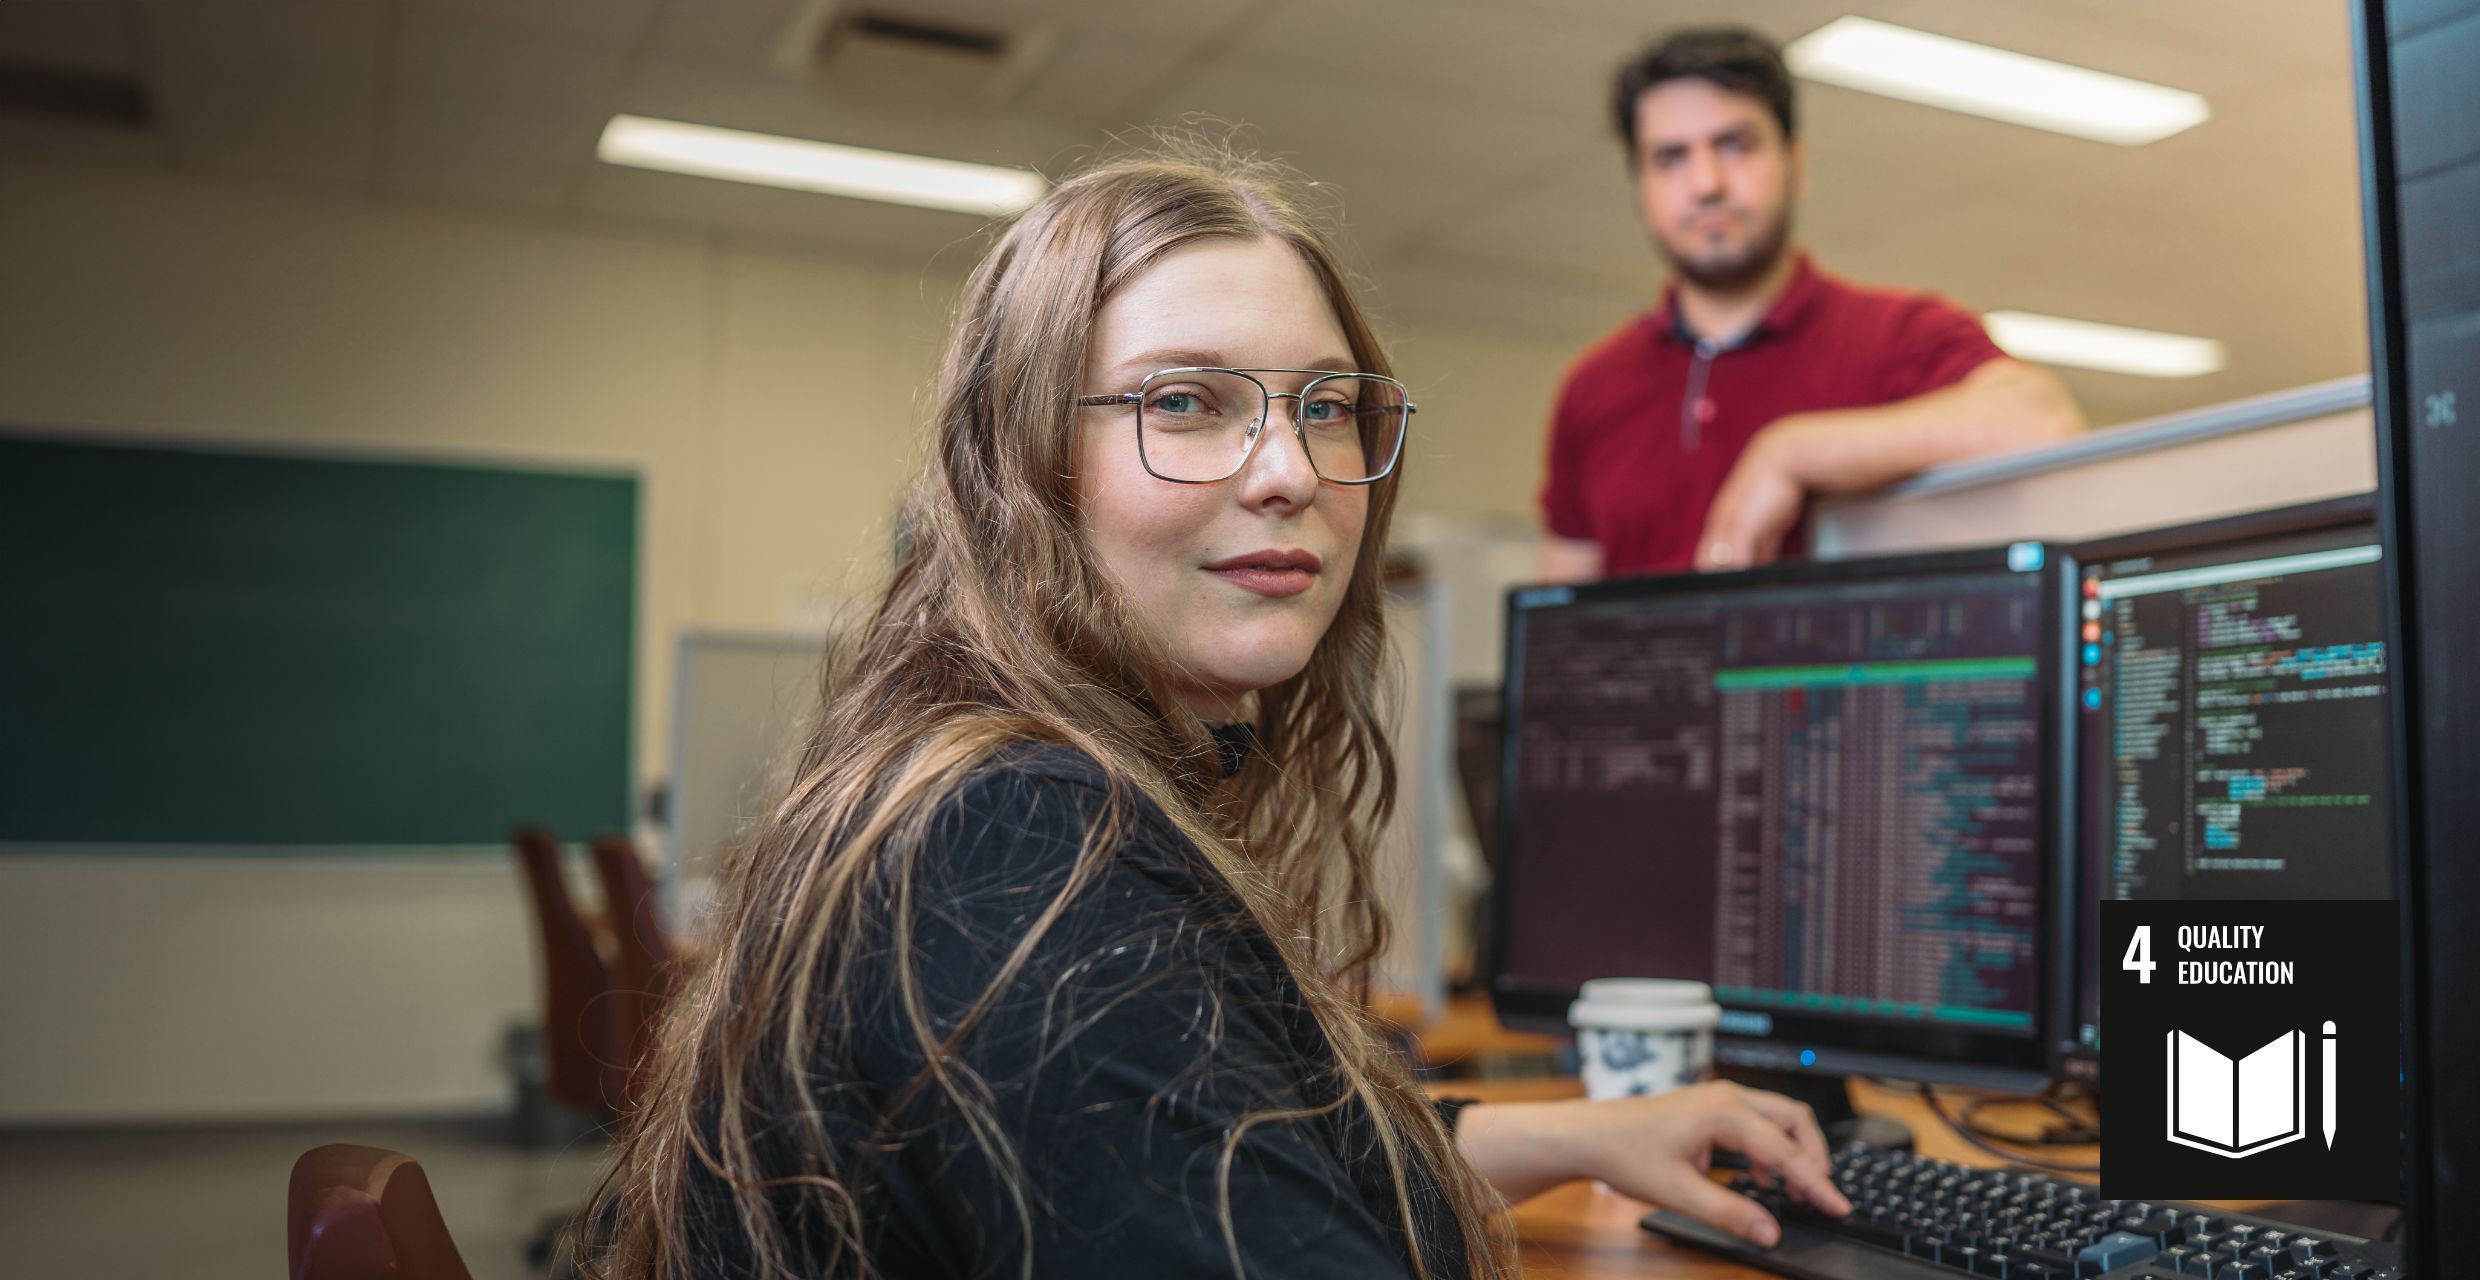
[886, 54]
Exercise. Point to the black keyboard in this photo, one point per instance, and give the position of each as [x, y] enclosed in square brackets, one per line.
[1915, 1218]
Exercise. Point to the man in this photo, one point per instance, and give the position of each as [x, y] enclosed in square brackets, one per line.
[1695, 434]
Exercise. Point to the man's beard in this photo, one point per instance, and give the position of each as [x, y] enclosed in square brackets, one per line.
[1732, 272]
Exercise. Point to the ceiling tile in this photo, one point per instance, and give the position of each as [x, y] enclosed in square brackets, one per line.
[1496, 55]
[1404, 161]
[283, 89]
[1621, 26]
[2128, 38]
[1101, 85]
[75, 35]
[594, 19]
[496, 114]
[735, 34]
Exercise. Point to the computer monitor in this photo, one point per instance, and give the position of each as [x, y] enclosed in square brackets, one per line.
[2231, 684]
[1826, 789]
[2419, 171]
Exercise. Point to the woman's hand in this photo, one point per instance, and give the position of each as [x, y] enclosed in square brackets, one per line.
[1657, 1149]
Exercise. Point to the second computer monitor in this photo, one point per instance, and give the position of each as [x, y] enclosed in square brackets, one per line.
[1825, 789]
[2231, 684]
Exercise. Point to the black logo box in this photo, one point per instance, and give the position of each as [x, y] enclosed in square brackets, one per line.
[2344, 967]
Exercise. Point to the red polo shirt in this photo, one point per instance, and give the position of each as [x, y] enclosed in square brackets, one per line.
[1651, 420]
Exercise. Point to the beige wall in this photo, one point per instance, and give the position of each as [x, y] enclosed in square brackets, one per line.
[767, 399]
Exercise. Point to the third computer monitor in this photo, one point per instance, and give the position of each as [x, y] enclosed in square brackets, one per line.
[2230, 682]
[1825, 789]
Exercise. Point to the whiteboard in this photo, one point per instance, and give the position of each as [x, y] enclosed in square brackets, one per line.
[741, 701]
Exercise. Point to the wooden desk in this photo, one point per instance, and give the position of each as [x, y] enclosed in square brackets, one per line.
[1466, 1036]
[1580, 1232]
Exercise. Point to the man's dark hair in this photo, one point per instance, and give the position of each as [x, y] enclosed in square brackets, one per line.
[1734, 58]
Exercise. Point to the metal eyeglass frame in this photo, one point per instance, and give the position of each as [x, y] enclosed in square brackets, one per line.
[1265, 409]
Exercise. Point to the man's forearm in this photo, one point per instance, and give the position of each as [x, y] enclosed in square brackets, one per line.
[2002, 405]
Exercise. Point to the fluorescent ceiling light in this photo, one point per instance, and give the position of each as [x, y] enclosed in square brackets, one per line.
[1941, 71]
[829, 167]
[2085, 345]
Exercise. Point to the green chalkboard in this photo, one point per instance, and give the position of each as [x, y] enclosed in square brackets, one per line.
[224, 649]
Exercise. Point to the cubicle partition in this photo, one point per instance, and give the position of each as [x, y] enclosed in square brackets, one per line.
[2268, 451]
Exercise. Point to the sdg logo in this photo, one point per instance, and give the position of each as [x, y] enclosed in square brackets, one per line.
[2250, 1050]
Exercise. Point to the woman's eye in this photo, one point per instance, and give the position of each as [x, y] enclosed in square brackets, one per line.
[1329, 413]
[1178, 403]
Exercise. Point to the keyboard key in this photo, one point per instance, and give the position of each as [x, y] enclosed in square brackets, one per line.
[2120, 1248]
[2164, 1228]
[2243, 1269]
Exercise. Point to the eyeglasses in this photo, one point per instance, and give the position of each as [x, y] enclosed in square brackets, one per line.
[1200, 425]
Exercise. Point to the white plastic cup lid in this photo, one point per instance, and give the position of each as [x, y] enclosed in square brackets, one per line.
[1646, 991]
[1645, 1004]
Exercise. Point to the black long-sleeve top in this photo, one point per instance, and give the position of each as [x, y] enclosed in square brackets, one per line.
[1152, 1018]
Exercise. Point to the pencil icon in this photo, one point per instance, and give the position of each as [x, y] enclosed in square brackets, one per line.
[2329, 1085]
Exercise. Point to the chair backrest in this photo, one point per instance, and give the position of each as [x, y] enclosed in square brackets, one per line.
[365, 1213]
[642, 973]
[581, 1041]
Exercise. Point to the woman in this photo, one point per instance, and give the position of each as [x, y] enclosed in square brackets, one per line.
[1051, 960]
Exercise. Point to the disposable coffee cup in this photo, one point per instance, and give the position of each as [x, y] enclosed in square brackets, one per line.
[1640, 1036]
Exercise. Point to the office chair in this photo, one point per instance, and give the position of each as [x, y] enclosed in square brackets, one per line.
[586, 1059]
[365, 1213]
[643, 972]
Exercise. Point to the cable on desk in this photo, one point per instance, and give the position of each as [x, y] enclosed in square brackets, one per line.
[2072, 1130]
[1928, 1094]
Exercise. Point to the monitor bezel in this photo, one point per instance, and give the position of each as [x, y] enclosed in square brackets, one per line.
[2072, 1059]
[1833, 1045]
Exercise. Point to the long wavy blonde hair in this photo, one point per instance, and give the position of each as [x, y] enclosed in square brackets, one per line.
[999, 627]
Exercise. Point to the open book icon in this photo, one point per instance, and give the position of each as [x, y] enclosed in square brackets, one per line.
[2238, 1108]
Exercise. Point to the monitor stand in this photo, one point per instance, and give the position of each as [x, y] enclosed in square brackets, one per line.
[1830, 1098]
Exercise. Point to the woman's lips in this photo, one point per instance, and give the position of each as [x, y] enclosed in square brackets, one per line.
[1274, 571]
[1276, 583]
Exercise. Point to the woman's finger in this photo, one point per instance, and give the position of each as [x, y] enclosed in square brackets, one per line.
[1729, 1210]
[1745, 1129]
[1796, 1119]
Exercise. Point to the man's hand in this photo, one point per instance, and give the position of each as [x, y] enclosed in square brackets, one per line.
[1756, 508]
[2004, 404]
